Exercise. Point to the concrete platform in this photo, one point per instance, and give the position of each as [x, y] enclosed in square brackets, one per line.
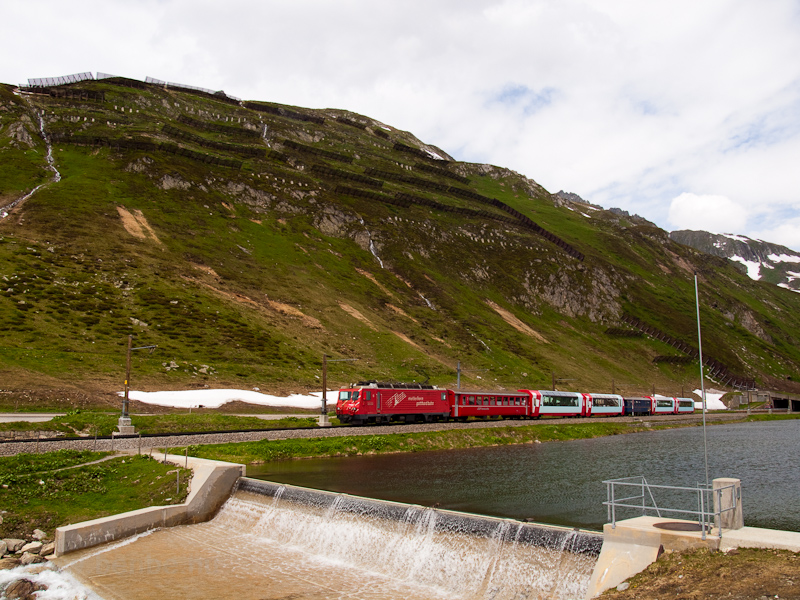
[211, 485]
[635, 543]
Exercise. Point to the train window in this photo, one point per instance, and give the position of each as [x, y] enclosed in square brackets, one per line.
[687, 403]
[354, 396]
[600, 401]
[444, 395]
[472, 400]
[548, 400]
[664, 403]
[344, 395]
[368, 396]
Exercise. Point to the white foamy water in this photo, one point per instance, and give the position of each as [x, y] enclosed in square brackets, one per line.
[305, 544]
[60, 585]
[415, 550]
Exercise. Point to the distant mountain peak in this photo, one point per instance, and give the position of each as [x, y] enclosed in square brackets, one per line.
[761, 260]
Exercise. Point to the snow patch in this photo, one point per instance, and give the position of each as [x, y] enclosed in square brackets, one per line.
[713, 400]
[753, 268]
[738, 238]
[784, 258]
[434, 155]
[216, 398]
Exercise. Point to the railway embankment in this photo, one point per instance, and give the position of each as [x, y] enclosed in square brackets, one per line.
[162, 442]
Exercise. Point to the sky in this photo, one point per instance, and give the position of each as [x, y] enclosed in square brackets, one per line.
[684, 112]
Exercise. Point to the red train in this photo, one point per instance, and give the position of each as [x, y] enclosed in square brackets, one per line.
[373, 402]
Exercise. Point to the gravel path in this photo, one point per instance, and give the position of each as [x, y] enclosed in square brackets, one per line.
[173, 441]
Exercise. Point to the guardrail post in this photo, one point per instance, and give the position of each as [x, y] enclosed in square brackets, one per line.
[728, 503]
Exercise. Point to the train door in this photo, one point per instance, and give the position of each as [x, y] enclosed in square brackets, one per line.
[378, 402]
[587, 405]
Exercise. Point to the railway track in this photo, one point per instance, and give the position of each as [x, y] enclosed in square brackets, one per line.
[160, 442]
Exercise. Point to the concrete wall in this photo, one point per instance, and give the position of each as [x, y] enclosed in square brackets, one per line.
[212, 483]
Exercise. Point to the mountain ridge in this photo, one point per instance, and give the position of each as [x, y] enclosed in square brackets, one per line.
[774, 263]
[246, 243]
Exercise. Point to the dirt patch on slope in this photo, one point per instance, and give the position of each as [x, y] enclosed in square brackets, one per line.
[515, 322]
[354, 313]
[291, 311]
[136, 224]
[401, 312]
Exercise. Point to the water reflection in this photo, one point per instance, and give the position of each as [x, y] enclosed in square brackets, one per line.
[561, 482]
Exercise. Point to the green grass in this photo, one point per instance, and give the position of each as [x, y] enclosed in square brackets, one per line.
[264, 451]
[90, 423]
[33, 494]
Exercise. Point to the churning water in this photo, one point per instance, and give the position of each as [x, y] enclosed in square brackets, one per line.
[275, 541]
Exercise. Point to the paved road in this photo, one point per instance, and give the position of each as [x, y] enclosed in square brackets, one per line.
[30, 417]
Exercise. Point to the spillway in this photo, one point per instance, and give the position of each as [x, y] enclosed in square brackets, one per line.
[278, 542]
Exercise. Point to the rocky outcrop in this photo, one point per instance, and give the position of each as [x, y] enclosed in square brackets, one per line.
[19, 133]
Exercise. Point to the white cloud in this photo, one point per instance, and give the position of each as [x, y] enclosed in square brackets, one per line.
[626, 103]
[712, 213]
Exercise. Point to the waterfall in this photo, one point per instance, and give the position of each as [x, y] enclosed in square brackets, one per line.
[454, 555]
[281, 541]
[371, 243]
[4, 210]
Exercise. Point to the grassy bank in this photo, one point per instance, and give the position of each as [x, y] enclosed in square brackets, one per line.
[84, 423]
[742, 573]
[452, 439]
[43, 491]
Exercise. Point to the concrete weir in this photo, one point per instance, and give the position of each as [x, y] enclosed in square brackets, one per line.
[250, 539]
[275, 541]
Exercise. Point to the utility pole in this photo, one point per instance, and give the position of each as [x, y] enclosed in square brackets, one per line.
[323, 417]
[458, 373]
[124, 423]
[557, 380]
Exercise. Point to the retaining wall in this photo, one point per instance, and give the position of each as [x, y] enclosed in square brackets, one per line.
[211, 485]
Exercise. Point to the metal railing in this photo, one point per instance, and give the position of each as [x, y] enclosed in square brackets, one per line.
[707, 512]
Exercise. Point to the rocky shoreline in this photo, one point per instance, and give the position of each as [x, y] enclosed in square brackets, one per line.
[36, 548]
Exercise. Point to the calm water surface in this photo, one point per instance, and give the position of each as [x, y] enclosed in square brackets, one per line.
[561, 482]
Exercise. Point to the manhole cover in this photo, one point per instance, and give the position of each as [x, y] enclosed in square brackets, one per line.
[679, 526]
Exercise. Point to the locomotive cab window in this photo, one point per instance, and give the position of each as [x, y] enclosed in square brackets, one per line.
[344, 395]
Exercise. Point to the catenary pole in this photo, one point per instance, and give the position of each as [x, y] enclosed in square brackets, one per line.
[702, 379]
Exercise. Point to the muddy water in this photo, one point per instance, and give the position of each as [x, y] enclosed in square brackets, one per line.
[295, 544]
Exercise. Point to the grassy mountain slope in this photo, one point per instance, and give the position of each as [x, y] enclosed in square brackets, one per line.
[247, 240]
